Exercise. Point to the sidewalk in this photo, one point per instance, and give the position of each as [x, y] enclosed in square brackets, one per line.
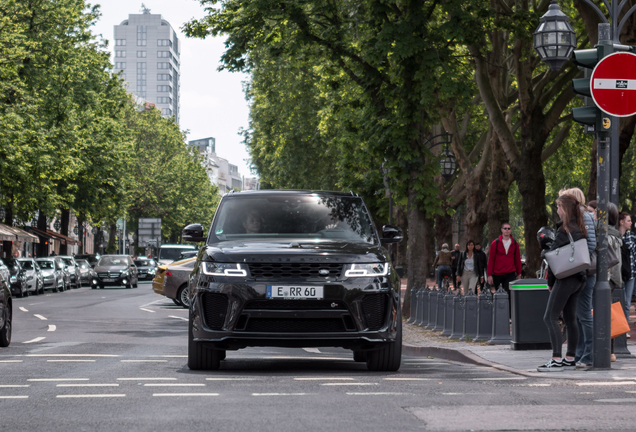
[426, 343]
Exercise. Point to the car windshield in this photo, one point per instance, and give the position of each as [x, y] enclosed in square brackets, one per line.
[172, 253]
[144, 263]
[112, 261]
[27, 264]
[309, 216]
[83, 264]
[46, 264]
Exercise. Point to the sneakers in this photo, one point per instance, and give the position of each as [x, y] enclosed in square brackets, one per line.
[551, 366]
[583, 366]
[568, 364]
[613, 358]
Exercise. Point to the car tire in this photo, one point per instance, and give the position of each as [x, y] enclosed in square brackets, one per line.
[5, 331]
[360, 356]
[42, 289]
[36, 291]
[25, 293]
[200, 356]
[183, 296]
[175, 301]
[389, 357]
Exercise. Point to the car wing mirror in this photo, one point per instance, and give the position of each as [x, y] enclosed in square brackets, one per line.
[391, 234]
[193, 233]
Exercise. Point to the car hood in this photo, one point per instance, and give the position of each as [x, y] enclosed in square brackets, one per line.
[302, 250]
[48, 272]
[110, 268]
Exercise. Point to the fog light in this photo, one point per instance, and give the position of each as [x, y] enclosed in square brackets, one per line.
[125, 282]
[94, 282]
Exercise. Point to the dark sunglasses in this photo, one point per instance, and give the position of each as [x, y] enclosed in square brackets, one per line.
[507, 228]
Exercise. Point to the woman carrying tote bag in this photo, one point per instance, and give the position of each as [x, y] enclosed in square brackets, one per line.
[564, 292]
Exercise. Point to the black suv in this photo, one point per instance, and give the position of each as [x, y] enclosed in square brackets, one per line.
[294, 269]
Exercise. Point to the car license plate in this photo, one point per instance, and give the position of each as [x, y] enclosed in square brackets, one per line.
[108, 280]
[294, 292]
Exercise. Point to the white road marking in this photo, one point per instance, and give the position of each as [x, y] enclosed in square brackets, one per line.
[106, 395]
[55, 379]
[606, 383]
[174, 385]
[232, 379]
[70, 361]
[151, 303]
[147, 310]
[312, 350]
[181, 318]
[144, 361]
[499, 379]
[14, 397]
[279, 394]
[407, 379]
[172, 356]
[184, 394]
[10, 361]
[305, 358]
[146, 379]
[37, 339]
[323, 379]
[374, 394]
[40, 316]
[349, 384]
[14, 385]
[71, 355]
[52, 327]
[23, 309]
[536, 385]
[87, 385]
[630, 400]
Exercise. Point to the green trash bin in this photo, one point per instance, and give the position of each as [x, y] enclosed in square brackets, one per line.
[528, 299]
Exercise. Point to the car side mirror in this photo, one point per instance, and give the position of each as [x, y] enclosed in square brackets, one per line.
[193, 233]
[391, 234]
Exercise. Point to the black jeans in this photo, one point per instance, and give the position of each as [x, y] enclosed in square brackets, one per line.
[504, 280]
[454, 276]
[564, 297]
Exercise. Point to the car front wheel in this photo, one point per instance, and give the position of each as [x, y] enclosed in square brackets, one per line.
[389, 357]
[200, 356]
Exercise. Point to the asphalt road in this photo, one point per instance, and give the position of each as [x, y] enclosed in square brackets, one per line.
[115, 360]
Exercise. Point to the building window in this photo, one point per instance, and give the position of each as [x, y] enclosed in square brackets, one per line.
[120, 42]
[164, 88]
[120, 65]
[164, 100]
[122, 76]
[120, 53]
[164, 65]
[163, 42]
[164, 77]
[141, 42]
[163, 54]
[142, 35]
[166, 111]
[141, 54]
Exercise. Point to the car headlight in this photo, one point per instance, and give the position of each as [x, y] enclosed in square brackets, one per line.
[124, 273]
[152, 271]
[13, 279]
[223, 269]
[367, 270]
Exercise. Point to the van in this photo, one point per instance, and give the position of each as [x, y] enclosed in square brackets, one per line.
[171, 252]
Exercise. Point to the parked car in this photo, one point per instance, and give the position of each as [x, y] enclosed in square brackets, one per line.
[6, 306]
[146, 268]
[52, 274]
[66, 272]
[116, 270]
[157, 281]
[175, 282]
[91, 258]
[170, 252]
[34, 275]
[73, 270]
[88, 275]
[18, 280]
[294, 269]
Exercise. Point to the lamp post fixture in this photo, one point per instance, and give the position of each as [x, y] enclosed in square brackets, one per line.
[448, 164]
[554, 39]
[3, 213]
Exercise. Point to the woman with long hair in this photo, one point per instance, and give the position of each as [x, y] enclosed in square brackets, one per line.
[469, 268]
[564, 292]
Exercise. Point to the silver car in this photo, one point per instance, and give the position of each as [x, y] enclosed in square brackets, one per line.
[73, 270]
[34, 275]
[52, 274]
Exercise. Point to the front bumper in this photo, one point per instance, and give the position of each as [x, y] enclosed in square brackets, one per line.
[359, 314]
[114, 281]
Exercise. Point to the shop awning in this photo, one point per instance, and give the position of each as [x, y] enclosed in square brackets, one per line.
[22, 235]
[62, 238]
[6, 234]
[39, 233]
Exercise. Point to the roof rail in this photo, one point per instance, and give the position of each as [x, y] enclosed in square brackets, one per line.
[353, 193]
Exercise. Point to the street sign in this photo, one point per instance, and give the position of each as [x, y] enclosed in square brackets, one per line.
[613, 84]
[149, 231]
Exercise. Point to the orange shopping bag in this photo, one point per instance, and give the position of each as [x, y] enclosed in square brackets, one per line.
[619, 323]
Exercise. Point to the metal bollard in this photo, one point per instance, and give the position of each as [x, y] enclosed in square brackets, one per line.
[469, 330]
[484, 315]
[420, 303]
[448, 314]
[458, 316]
[432, 310]
[500, 318]
[422, 312]
[439, 323]
[414, 291]
[620, 342]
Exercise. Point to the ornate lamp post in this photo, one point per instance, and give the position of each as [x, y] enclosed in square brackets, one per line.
[554, 39]
[448, 164]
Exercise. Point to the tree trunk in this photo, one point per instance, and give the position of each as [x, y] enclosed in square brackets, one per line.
[420, 253]
[443, 230]
[401, 248]
[112, 238]
[7, 246]
[43, 246]
[498, 210]
[65, 221]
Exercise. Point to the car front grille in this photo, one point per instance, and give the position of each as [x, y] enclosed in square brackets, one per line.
[374, 309]
[291, 325]
[108, 275]
[268, 271]
[214, 310]
[295, 305]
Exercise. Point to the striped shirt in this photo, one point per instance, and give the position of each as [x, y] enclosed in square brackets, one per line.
[630, 240]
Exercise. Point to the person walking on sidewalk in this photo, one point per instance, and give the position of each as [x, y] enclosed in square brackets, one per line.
[483, 261]
[455, 260]
[469, 268]
[504, 260]
[584, 319]
[564, 292]
[629, 239]
[443, 265]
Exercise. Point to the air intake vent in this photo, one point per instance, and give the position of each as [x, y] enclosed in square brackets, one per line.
[295, 305]
[277, 325]
[276, 271]
[374, 308]
[214, 310]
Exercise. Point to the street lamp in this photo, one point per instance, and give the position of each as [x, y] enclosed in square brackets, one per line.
[448, 164]
[554, 39]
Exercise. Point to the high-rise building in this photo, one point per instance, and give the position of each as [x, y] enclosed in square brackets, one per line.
[147, 52]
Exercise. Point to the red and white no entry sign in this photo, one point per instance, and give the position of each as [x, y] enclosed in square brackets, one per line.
[613, 84]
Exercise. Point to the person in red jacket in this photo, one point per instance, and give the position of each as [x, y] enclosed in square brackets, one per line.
[504, 260]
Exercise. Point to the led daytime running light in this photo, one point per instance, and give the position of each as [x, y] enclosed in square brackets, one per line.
[366, 270]
[222, 269]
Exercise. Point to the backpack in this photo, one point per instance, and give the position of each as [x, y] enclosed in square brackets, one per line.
[626, 263]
